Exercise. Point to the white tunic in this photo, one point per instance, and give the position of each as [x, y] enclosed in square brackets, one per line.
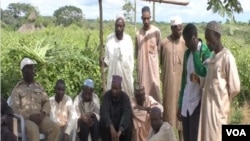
[119, 56]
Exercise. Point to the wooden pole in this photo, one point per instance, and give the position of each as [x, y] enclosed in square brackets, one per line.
[176, 2]
[135, 14]
[153, 11]
[102, 48]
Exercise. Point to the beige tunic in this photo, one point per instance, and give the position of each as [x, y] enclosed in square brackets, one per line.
[141, 118]
[166, 133]
[147, 49]
[172, 55]
[221, 85]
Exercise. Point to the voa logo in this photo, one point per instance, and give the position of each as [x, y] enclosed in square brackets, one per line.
[236, 132]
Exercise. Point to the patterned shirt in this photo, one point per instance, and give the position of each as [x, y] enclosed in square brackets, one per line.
[63, 113]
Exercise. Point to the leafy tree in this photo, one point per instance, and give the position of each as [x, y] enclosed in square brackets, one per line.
[67, 15]
[21, 9]
[128, 8]
[16, 14]
[225, 7]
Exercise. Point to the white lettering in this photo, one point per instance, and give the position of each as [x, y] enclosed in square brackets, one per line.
[242, 132]
[229, 132]
[236, 132]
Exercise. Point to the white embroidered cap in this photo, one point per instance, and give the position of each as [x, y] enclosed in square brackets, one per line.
[120, 16]
[176, 20]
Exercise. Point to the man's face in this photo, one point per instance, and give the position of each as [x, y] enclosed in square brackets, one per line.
[140, 97]
[60, 90]
[189, 41]
[87, 93]
[211, 39]
[116, 89]
[146, 18]
[156, 121]
[176, 31]
[28, 72]
[119, 28]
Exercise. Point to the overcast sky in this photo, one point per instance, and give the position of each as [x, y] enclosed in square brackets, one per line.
[195, 11]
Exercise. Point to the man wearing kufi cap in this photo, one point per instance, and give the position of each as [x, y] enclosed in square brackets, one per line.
[222, 84]
[87, 106]
[119, 56]
[141, 105]
[172, 53]
[116, 113]
[29, 99]
[147, 45]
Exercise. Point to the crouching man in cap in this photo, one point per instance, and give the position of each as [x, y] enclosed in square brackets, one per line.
[30, 100]
[87, 107]
[116, 114]
[141, 106]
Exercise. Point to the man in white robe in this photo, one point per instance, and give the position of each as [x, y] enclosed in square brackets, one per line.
[119, 57]
[222, 84]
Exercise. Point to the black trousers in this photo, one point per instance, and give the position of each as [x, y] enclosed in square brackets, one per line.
[106, 135]
[190, 125]
[85, 130]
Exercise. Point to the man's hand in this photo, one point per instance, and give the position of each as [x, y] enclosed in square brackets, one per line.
[194, 78]
[143, 108]
[37, 118]
[86, 118]
[179, 114]
[118, 135]
[101, 62]
[113, 133]
[65, 137]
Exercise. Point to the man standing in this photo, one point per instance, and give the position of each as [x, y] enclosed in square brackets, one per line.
[119, 56]
[222, 84]
[160, 131]
[116, 113]
[141, 106]
[172, 53]
[31, 101]
[192, 81]
[87, 107]
[147, 54]
[63, 111]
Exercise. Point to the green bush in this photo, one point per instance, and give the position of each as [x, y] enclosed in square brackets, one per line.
[60, 54]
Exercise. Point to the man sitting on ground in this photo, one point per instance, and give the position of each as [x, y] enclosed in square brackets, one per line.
[160, 131]
[116, 114]
[62, 111]
[141, 106]
[87, 107]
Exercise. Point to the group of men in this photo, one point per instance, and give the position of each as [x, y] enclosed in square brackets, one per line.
[85, 119]
[198, 83]
[198, 80]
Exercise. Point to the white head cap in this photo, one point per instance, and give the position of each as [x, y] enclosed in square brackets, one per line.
[176, 20]
[89, 83]
[26, 61]
[121, 16]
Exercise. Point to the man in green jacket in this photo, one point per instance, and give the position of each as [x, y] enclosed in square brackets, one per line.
[190, 94]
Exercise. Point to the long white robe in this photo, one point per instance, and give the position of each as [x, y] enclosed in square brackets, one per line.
[221, 85]
[119, 56]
